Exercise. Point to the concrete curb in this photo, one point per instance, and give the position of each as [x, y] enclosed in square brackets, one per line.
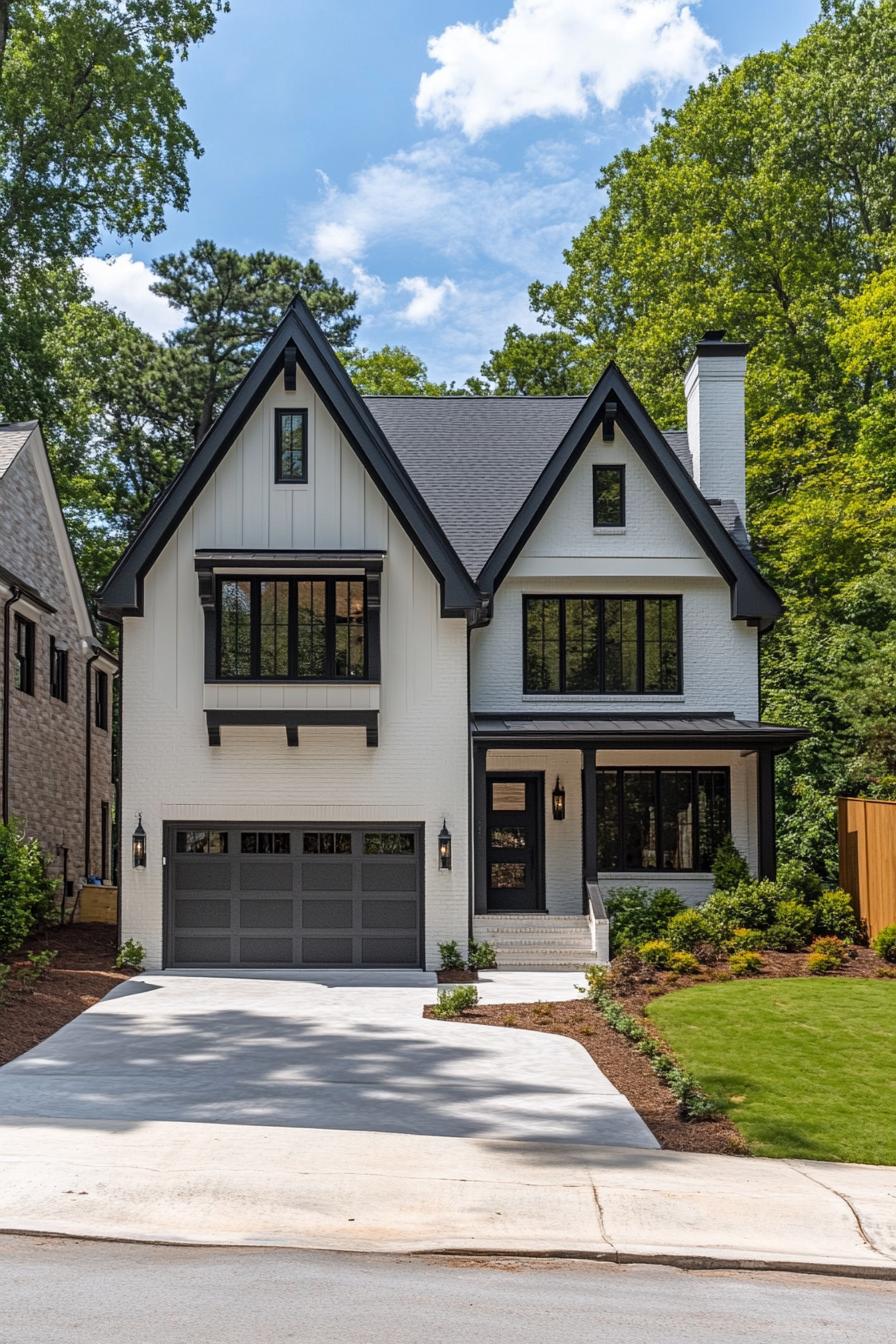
[332, 1190]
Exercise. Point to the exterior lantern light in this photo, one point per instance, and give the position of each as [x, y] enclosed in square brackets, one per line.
[558, 801]
[444, 846]
[138, 843]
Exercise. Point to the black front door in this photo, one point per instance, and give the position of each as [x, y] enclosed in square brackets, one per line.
[513, 842]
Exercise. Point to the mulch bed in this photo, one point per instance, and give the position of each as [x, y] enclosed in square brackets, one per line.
[81, 975]
[625, 1067]
[457, 977]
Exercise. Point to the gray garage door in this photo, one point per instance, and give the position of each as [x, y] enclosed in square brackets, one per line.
[293, 895]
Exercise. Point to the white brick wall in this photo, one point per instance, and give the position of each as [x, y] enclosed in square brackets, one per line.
[419, 771]
[715, 392]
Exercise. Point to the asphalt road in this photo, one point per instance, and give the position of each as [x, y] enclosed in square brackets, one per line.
[63, 1292]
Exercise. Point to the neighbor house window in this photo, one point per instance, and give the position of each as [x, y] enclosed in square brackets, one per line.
[104, 840]
[24, 661]
[292, 629]
[101, 699]
[609, 496]
[58, 670]
[291, 447]
[602, 645]
[670, 820]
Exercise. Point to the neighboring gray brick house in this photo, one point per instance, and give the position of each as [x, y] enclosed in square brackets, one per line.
[56, 773]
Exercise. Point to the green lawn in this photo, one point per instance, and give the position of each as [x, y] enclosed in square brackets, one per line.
[804, 1068]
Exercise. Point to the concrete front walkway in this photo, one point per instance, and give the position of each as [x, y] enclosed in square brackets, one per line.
[336, 1051]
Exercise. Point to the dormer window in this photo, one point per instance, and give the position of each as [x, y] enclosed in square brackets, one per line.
[291, 447]
[609, 496]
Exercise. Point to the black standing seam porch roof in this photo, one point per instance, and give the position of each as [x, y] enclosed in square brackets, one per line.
[668, 732]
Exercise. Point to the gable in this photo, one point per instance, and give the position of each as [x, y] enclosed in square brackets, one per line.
[299, 340]
[34, 542]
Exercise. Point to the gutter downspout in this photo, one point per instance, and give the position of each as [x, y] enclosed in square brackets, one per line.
[15, 594]
[88, 754]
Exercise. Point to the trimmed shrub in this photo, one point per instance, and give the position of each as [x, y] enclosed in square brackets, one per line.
[26, 893]
[686, 930]
[747, 940]
[796, 916]
[826, 955]
[453, 1002]
[637, 914]
[751, 905]
[796, 882]
[482, 957]
[834, 915]
[656, 953]
[685, 963]
[745, 963]
[451, 957]
[729, 867]
[130, 956]
[885, 943]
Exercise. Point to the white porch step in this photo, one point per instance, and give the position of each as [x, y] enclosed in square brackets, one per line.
[537, 942]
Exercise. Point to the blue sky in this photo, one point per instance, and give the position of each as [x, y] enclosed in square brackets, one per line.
[436, 155]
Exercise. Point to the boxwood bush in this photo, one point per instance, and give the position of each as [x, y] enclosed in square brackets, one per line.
[639, 913]
[885, 943]
[834, 916]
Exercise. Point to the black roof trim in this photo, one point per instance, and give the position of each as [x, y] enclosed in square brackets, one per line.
[656, 731]
[30, 594]
[122, 593]
[752, 598]
[259, 559]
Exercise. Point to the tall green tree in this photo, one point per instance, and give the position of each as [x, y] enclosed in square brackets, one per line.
[391, 371]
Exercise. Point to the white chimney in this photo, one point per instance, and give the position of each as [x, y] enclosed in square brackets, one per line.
[714, 387]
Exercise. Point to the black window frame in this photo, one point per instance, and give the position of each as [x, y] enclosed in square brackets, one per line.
[101, 699]
[279, 416]
[25, 632]
[292, 674]
[104, 840]
[619, 471]
[600, 686]
[58, 672]
[657, 770]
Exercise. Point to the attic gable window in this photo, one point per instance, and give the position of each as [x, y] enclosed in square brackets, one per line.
[291, 447]
[609, 496]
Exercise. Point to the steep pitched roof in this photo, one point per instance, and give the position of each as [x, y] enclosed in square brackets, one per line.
[476, 459]
[122, 594]
[13, 438]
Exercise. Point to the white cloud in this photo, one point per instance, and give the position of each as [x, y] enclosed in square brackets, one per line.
[550, 58]
[123, 283]
[426, 300]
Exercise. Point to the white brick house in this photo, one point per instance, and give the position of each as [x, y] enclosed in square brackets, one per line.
[399, 670]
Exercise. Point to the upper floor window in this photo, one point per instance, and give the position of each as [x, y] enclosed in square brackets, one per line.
[601, 645]
[101, 698]
[58, 670]
[292, 628]
[291, 447]
[609, 496]
[24, 662]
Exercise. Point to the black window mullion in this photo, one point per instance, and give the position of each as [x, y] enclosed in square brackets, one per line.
[330, 629]
[292, 630]
[695, 819]
[255, 627]
[601, 649]
[639, 638]
[562, 628]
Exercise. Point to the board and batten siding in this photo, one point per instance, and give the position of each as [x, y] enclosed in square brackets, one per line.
[419, 771]
[656, 554]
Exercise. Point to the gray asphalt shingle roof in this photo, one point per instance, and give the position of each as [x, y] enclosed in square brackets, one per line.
[475, 459]
[12, 439]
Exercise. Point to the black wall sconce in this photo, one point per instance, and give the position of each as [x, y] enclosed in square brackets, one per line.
[558, 801]
[138, 843]
[444, 846]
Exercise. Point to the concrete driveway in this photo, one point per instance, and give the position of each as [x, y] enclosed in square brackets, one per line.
[337, 1051]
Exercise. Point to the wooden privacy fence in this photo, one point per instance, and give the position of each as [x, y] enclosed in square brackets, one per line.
[867, 837]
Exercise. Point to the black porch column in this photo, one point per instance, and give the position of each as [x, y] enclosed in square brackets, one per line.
[589, 821]
[480, 804]
[765, 782]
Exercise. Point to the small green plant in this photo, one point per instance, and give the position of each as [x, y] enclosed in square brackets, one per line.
[729, 868]
[130, 956]
[686, 930]
[454, 1002]
[751, 905]
[482, 957]
[27, 895]
[792, 927]
[684, 963]
[37, 967]
[656, 952]
[826, 955]
[796, 882]
[639, 913]
[747, 940]
[745, 963]
[834, 914]
[885, 943]
[451, 957]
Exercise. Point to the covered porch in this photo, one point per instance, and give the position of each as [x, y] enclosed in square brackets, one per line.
[565, 809]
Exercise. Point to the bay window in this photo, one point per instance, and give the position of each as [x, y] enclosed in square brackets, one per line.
[291, 629]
